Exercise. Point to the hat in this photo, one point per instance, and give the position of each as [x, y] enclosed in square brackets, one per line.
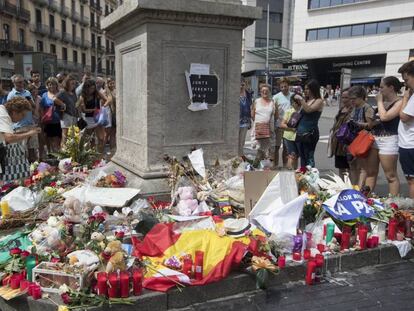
[236, 227]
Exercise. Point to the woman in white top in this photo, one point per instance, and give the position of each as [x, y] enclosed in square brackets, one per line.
[263, 114]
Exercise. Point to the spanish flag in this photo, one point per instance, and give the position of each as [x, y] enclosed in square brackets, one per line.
[221, 254]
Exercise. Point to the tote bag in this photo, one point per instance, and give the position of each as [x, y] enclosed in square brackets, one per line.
[361, 144]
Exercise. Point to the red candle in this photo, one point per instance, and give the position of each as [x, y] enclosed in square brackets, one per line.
[137, 281]
[321, 248]
[281, 262]
[338, 237]
[102, 284]
[24, 284]
[30, 288]
[124, 280]
[309, 240]
[369, 243]
[375, 240]
[15, 280]
[320, 260]
[113, 289]
[188, 266]
[310, 272]
[346, 237]
[346, 229]
[198, 263]
[37, 292]
[297, 256]
[362, 234]
[392, 229]
[306, 254]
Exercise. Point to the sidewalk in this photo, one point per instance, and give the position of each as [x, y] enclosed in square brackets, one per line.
[329, 112]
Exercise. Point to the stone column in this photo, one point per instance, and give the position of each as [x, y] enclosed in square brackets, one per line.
[155, 43]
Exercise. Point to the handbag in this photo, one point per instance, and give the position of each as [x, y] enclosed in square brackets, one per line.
[82, 123]
[262, 130]
[103, 119]
[294, 120]
[48, 116]
[308, 136]
[361, 144]
[346, 133]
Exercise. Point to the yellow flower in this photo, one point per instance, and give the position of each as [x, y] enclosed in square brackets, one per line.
[356, 187]
[63, 308]
[262, 263]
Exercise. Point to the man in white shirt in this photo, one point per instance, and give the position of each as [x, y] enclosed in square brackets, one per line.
[282, 102]
[406, 126]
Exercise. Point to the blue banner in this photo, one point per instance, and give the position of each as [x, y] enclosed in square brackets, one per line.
[347, 205]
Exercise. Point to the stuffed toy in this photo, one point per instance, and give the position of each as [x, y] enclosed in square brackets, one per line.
[96, 243]
[187, 203]
[116, 261]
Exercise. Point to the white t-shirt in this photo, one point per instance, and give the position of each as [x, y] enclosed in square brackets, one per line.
[406, 129]
[282, 102]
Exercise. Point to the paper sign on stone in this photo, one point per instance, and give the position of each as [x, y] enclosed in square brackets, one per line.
[197, 161]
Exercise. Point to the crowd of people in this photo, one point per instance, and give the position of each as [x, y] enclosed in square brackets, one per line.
[35, 117]
[291, 120]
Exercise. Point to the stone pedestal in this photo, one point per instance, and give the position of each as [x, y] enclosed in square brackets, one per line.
[155, 43]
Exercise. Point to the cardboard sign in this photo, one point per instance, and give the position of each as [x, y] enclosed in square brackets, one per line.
[347, 205]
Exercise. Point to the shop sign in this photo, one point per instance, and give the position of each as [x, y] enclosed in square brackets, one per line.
[354, 63]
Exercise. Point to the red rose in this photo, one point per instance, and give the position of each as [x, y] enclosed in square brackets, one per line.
[106, 256]
[55, 259]
[27, 182]
[53, 184]
[302, 170]
[370, 201]
[91, 219]
[119, 234]
[394, 206]
[66, 298]
[15, 251]
[24, 254]
[100, 217]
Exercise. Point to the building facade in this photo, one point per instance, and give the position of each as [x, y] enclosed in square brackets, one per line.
[371, 37]
[67, 29]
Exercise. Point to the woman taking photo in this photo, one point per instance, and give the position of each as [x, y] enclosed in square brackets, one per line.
[307, 133]
[68, 97]
[263, 114]
[338, 150]
[363, 118]
[386, 132]
[14, 164]
[90, 102]
[52, 129]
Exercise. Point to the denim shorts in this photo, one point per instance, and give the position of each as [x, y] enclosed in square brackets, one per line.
[292, 148]
[407, 162]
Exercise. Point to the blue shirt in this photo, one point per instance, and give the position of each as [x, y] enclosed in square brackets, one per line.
[46, 103]
[245, 113]
[28, 119]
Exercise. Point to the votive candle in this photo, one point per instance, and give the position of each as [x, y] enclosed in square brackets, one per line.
[281, 262]
[124, 282]
[102, 285]
[137, 281]
[113, 288]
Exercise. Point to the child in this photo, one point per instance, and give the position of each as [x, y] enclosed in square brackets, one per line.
[289, 135]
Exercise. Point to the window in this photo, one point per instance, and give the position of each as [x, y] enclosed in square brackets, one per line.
[262, 42]
[74, 30]
[107, 45]
[312, 35]
[346, 31]
[92, 18]
[357, 30]
[112, 47]
[39, 46]
[384, 27]
[323, 34]
[336, 2]
[73, 5]
[51, 21]
[400, 25]
[347, 1]
[106, 9]
[370, 29]
[75, 56]
[108, 67]
[21, 36]
[63, 26]
[313, 4]
[64, 53]
[82, 34]
[81, 11]
[53, 49]
[6, 32]
[98, 41]
[113, 67]
[274, 17]
[93, 40]
[93, 63]
[334, 33]
[83, 59]
[324, 3]
[38, 15]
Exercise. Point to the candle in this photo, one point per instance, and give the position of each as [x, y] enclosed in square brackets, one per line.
[330, 228]
[392, 229]
[310, 272]
[5, 209]
[346, 229]
[101, 285]
[137, 281]
[338, 237]
[37, 292]
[15, 280]
[297, 256]
[198, 264]
[188, 266]
[319, 260]
[375, 240]
[306, 254]
[24, 284]
[408, 225]
[362, 235]
[345, 239]
[321, 247]
[309, 240]
[30, 264]
[30, 288]
[281, 262]
[113, 289]
[370, 243]
[124, 281]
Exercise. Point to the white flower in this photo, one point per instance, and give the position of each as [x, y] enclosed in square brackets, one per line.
[64, 289]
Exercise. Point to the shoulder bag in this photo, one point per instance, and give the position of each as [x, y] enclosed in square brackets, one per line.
[361, 144]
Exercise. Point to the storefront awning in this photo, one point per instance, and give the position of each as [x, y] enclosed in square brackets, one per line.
[276, 54]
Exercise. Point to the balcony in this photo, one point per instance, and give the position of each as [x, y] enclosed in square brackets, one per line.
[54, 6]
[86, 44]
[41, 2]
[64, 10]
[75, 16]
[55, 34]
[109, 52]
[23, 14]
[14, 46]
[101, 49]
[95, 27]
[41, 29]
[66, 37]
[77, 41]
[7, 8]
[84, 20]
[94, 5]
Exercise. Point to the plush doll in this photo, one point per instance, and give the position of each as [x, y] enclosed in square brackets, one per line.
[187, 203]
[72, 210]
[116, 261]
[96, 243]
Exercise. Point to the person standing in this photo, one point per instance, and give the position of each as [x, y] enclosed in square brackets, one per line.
[386, 131]
[86, 76]
[406, 126]
[3, 95]
[307, 133]
[263, 114]
[245, 115]
[289, 135]
[37, 83]
[70, 113]
[282, 103]
[110, 93]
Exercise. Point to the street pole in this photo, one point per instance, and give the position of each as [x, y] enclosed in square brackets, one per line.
[267, 44]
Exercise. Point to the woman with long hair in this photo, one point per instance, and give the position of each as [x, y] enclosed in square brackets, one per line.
[90, 102]
[307, 133]
[386, 132]
[110, 132]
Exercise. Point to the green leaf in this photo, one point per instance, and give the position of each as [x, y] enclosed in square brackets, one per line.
[262, 275]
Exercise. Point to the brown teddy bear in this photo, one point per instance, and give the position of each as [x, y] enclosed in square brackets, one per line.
[116, 261]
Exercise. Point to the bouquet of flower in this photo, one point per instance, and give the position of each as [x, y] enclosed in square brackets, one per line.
[115, 180]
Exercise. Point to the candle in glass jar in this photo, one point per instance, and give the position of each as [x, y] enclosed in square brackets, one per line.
[24, 284]
[330, 229]
[306, 254]
[30, 264]
[345, 239]
[5, 209]
[375, 240]
[15, 280]
[113, 288]
[310, 272]
[198, 265]
[281, 262]
[362, 235]
[124, 282]
[392, 229]
[137, 281]
[321, 247]
[296, 256]
[188, 266]
[37, 292]
[101, 284]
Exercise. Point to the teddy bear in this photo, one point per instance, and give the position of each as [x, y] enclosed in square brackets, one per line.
[116, 261]
[187, 203]
[96, 243]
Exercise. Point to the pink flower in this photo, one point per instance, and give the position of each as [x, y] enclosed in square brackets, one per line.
[24, 254]
[55, 259]
[394, 206]
[15, 251]
[370, 201]
[119, 234]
